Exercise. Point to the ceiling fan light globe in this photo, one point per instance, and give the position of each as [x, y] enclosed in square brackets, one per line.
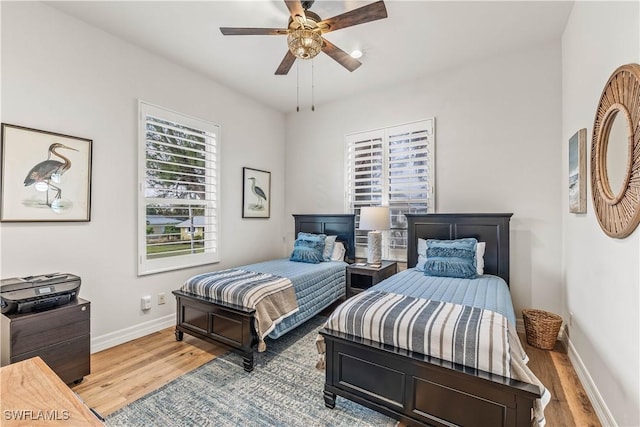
[304, 43]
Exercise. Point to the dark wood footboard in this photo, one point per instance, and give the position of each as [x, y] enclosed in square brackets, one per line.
[420, 390]
[216, 323]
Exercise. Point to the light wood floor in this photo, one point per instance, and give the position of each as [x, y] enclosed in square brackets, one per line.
[122, 374]
[127, 372]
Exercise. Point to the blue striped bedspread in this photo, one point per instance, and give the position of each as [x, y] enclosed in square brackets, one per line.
[470, 336]
[487, 291]
[272, 297]
[317, 286]
[470, 322]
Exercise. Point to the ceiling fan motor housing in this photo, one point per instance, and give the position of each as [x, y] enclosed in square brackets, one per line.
[311, 21]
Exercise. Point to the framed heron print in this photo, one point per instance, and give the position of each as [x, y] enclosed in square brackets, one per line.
[256, 193]
[44, 176]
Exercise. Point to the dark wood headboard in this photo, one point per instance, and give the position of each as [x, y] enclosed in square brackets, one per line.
[492, 228]
[341, 225]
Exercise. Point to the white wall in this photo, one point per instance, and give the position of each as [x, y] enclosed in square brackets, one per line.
[602, 275]
[61, 75]
[497, 130]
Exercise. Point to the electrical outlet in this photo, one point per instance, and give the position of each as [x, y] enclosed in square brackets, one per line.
[145, 302]
[161, 299]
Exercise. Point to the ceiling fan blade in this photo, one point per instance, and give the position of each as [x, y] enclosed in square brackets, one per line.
[296, 9]
[368, 13]
[342, 57]
[286, 64]
[238, 31]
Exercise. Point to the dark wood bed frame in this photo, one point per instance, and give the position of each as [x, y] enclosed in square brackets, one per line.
[232, 325]
[422, 390]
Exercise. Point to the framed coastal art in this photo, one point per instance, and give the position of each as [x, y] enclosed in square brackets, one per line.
[44, 176]
[578, 172]
[256, 193]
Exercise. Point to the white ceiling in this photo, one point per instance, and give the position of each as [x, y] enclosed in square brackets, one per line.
[418, 38]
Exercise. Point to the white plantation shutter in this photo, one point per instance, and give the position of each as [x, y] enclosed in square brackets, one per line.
[365, 176]
[178, 191]
[391, 167]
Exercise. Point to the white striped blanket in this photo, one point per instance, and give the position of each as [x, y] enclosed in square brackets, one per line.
[469, 336]
[272, 297]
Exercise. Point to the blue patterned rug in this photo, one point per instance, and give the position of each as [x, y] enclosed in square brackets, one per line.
[284, 389]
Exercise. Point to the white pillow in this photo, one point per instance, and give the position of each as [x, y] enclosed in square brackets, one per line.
[422, 256]
[480, 247]
[338, 252]
[329, 242]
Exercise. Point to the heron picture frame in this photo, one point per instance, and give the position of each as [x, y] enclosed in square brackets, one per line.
[44, 176]
[256, 193]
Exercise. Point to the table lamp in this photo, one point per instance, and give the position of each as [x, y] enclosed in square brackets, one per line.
[374, 219]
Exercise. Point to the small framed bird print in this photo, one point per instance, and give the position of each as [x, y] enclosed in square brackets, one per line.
[44, 176]
[256, 193]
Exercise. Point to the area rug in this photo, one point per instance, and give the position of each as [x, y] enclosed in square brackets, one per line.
[284, 389]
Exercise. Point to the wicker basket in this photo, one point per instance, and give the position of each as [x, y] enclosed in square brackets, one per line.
[541, 327]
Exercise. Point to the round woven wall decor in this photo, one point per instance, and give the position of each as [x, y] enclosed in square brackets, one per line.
[618, 214]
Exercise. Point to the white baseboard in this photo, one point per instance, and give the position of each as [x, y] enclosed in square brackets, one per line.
[602, 411]
[112, 339]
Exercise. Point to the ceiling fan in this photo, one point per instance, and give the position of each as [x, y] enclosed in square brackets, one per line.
[305, 29]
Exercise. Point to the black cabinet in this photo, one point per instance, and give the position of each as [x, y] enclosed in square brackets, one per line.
[360, 277]
[60, 336]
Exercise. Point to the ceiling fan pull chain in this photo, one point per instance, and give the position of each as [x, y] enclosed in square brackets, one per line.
[298, 86]
[313, 107]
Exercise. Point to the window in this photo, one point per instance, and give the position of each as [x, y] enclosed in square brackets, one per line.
[178, 191]
[391, 167]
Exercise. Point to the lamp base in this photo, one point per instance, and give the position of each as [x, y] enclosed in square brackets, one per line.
[374, 247]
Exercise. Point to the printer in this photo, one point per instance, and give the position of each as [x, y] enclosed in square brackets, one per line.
[36, 293]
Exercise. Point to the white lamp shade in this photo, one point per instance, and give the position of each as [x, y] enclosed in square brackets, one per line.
[374, 218]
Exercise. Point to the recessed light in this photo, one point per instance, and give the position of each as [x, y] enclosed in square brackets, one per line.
[356, 54]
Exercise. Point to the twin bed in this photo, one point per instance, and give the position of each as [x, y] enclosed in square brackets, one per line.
[386, 374]
[424, 390]
[316, 287]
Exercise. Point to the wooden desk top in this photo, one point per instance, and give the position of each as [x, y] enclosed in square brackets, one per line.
[31, 394]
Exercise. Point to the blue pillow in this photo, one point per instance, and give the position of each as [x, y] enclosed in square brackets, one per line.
[308, 248]
[451, 258]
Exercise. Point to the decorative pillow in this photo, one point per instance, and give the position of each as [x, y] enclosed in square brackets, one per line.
[308, 248]
[451, 258]
[480, 247]
[338, 252]
[329, 242]
[422, 256]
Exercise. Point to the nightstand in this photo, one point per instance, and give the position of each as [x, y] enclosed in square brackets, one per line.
[360, 278]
